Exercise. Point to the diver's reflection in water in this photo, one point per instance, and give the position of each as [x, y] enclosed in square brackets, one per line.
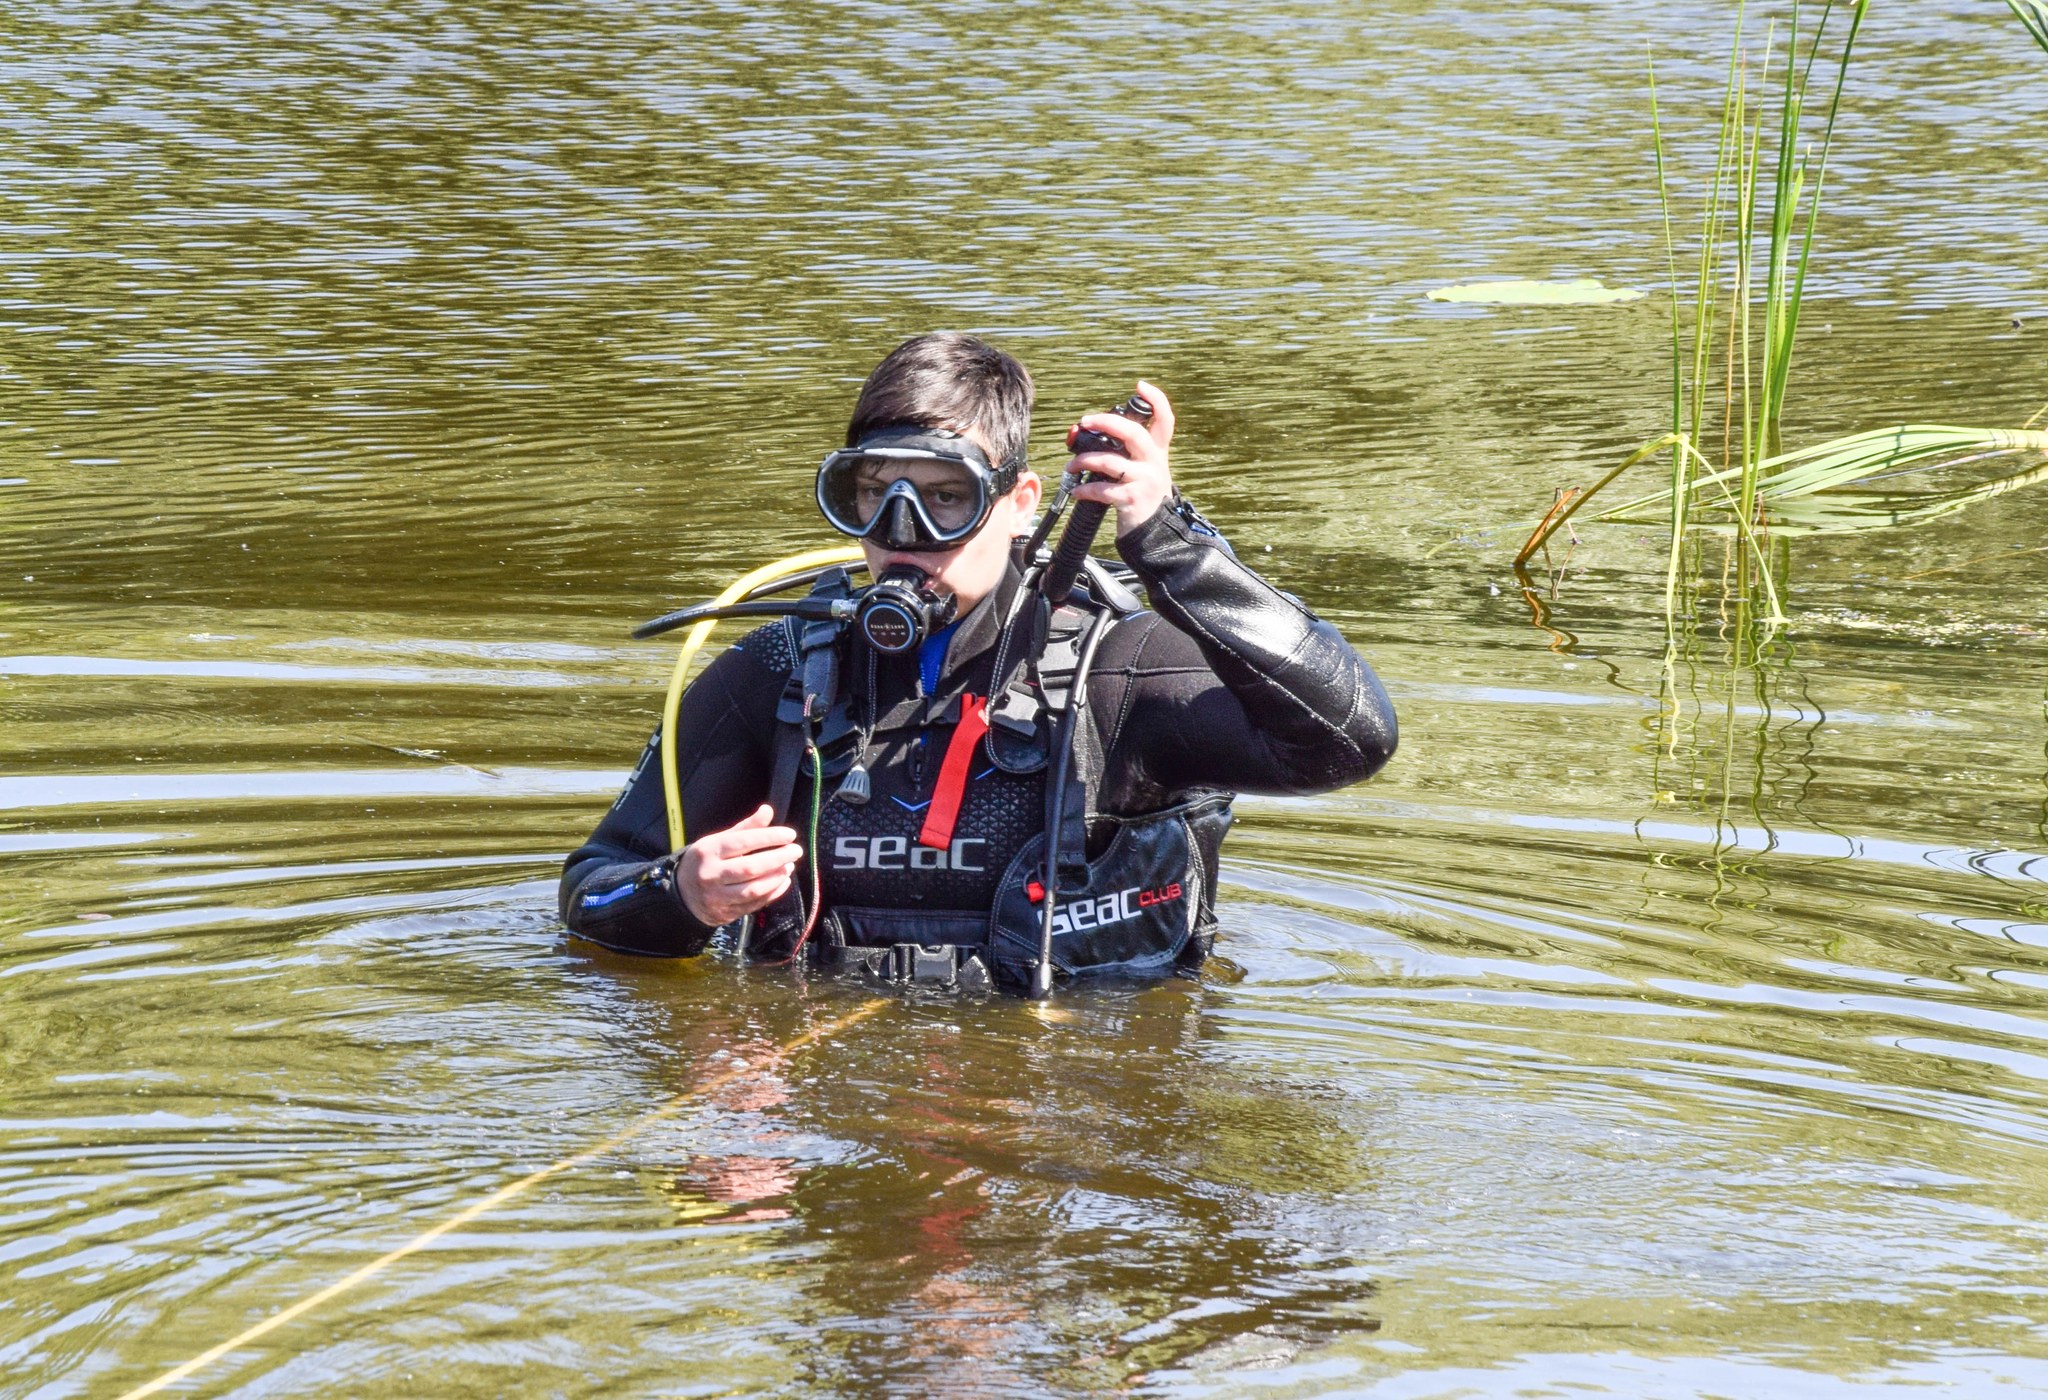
[736, 1187]
[956, 1314]
[1072, 1195]
[991, 1197]
[917, 1247]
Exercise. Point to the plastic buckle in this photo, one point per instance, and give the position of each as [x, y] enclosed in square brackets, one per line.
[945, 967]
[870, 964]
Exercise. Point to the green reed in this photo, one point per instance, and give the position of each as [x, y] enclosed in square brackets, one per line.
[1743, 211]
[1725, 363]
[1722, 361]
[1805, 491]
[2034, 15]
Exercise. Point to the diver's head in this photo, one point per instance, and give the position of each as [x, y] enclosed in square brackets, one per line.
[933, 474]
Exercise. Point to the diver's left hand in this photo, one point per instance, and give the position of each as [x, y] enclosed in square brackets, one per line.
[1137, 485]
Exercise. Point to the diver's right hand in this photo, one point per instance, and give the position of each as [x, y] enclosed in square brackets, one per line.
[732, 873]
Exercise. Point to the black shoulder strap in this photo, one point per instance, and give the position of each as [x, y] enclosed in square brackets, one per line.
[807, 697]
[813, 686]
[789, 758]
[809, 694]
[1068, 804]
[1060, 657]
[1037, 658]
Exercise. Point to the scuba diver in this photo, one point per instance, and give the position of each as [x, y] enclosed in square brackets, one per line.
[992, 765]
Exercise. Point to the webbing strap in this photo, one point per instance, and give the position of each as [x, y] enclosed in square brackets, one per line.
[789, 758]
[952, 787]
[791, 742]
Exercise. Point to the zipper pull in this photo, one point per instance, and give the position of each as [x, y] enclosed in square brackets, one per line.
[854, 788]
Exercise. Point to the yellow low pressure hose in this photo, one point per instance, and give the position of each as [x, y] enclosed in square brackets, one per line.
[671, 787]
[511, 1190]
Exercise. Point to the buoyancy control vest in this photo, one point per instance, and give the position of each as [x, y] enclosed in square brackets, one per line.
[961, 865]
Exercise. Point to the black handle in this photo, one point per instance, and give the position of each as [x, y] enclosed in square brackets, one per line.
[1057, 582]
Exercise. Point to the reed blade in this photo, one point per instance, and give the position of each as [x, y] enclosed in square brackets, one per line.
[1779, 373]
[1681, 465]
[1796, 484]
[1557, 518]
[2034, 15]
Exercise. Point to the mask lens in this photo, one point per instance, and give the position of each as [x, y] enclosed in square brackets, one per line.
[951, 495]
[854, 485]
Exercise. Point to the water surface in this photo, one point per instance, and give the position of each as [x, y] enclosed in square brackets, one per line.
[367, 371]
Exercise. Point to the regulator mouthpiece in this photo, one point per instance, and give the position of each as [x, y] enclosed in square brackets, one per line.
[901, 611]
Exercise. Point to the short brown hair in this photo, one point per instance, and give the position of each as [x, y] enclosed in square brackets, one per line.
[947, 379]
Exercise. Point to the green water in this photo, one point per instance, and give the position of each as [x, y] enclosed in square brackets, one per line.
[366, 371]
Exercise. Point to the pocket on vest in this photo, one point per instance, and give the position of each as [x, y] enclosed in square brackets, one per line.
[1131, 916]
[929, 928]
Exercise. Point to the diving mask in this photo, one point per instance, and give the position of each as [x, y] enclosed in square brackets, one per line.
[916, 490]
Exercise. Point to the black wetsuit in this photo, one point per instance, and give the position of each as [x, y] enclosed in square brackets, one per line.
[1227, 686]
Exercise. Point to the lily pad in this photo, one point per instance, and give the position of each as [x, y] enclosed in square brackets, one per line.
[1585, 291]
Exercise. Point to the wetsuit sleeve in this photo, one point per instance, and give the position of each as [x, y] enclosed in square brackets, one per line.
[1243, 688]
[618, 889]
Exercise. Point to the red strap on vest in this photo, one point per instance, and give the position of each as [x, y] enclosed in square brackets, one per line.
[952, 787]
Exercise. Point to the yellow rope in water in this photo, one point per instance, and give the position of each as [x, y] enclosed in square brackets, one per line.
[671, 789]
[493, 1201]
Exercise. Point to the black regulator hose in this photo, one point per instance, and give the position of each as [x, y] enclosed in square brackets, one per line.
[1057, 582]
[815, 609]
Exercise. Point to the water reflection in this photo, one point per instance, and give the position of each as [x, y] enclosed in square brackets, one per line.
[1192, 1208]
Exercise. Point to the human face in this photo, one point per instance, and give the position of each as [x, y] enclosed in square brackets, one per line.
[950, 497]
[970, 570]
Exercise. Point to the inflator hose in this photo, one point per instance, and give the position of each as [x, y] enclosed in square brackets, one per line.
[1058, 580]
[671, 786]
[1063, 762]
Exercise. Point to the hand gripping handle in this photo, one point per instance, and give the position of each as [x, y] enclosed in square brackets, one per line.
[1057, 583]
